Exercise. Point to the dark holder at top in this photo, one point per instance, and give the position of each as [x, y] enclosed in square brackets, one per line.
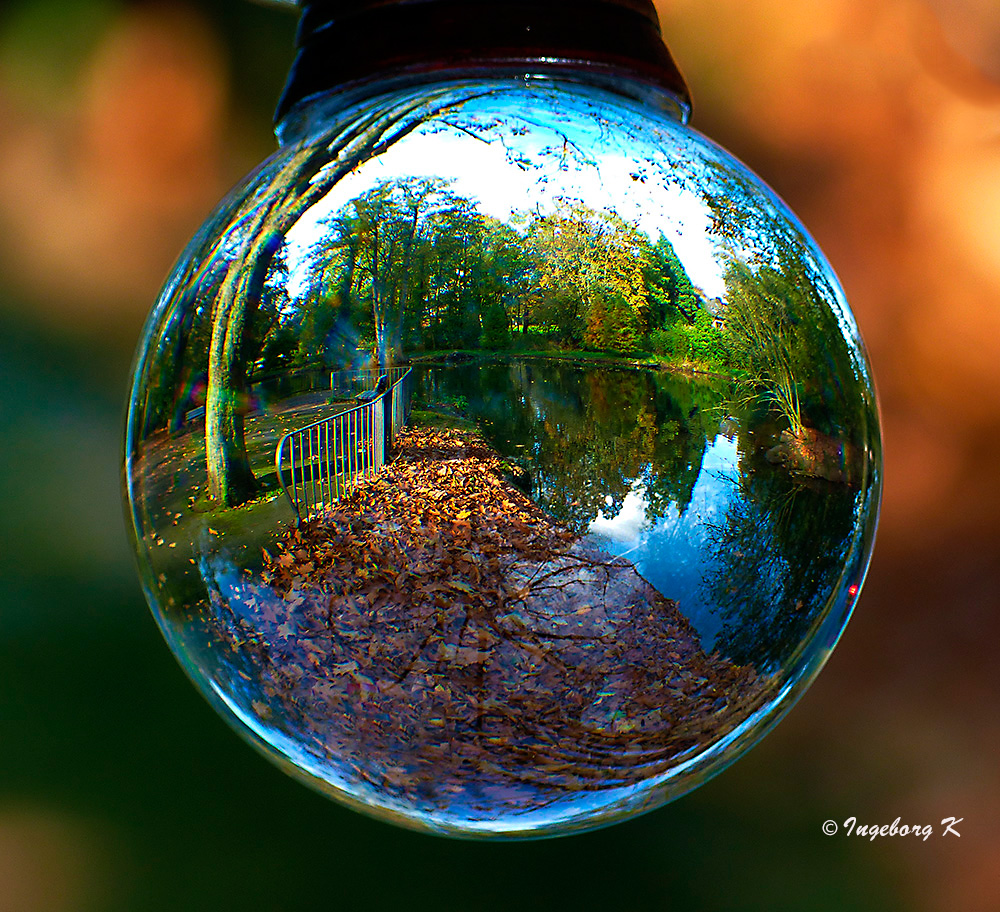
[348, 41]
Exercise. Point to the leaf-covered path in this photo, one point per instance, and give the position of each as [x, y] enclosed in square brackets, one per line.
[439, 638]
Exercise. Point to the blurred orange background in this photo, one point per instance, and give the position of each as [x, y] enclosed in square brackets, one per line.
[122, 124]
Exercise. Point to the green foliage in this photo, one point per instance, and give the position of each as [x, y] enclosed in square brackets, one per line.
[671, 342]
[699, 344]
[412, 265]
[459, 402]
[767, 307]
[417, 266]
[706, 341]
[784, 321]
[671, 294]
[496, 331]
[558, 312]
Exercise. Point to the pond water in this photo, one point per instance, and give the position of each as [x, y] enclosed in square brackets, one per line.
[652, 466]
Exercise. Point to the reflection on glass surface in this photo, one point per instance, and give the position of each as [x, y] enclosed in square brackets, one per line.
[503, 458]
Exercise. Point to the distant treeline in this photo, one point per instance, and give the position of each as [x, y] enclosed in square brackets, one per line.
[411, 266]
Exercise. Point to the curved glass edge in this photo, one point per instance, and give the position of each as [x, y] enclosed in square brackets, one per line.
[311, 118]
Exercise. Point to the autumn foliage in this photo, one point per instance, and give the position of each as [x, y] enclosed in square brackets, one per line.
[443, 639]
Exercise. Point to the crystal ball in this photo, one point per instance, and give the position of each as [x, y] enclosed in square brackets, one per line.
[502, 456]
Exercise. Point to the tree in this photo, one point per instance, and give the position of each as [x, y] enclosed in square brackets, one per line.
[274, 200]
[496, 331]
[392, 220]
[589, 286]
[671, 294]
[762, 326]
[793, 340]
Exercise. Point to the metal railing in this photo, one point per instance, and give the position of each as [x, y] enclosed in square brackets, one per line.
[321, 463]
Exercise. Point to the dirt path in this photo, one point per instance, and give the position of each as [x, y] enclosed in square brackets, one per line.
[444, 639]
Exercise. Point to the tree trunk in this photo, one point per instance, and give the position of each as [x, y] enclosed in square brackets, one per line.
[230, 479]
[182, 401]
[381, 345]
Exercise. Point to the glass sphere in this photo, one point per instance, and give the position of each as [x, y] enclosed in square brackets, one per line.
[502, 455]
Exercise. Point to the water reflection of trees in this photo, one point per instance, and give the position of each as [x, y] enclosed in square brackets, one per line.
[592, 435]
[776, 557]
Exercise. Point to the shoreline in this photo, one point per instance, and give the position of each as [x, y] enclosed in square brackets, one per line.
[439, 359]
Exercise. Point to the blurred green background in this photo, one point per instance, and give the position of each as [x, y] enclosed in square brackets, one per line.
[121, 124]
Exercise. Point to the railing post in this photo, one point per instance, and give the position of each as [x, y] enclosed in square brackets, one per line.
[387, 420]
